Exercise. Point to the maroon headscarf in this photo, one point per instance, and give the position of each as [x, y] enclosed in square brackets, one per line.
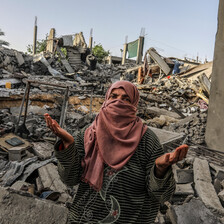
[114, 135]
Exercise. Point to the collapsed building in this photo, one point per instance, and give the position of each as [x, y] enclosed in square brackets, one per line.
[174, 103]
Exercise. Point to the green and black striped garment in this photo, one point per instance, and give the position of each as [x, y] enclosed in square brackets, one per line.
[130, 195]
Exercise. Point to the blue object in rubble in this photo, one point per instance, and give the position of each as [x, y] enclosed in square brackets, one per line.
[176, 68]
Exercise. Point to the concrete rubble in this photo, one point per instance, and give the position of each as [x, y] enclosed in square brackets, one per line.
[173, 102]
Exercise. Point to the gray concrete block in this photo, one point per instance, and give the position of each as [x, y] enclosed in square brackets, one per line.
[43, 150]
[201, 170]
[7, 60]
[182, 192]
[221, 196]
[28, 209]
[174, 169]
[207, 193]
[184, 176]
[217, 185]
[184, 189]
[51, 180]
[18, 185]
[193, 212]
[19, 58]
[16, 153]
[166, 137]
[220, 175]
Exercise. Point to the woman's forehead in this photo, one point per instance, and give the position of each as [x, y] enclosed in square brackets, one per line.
[118, 91]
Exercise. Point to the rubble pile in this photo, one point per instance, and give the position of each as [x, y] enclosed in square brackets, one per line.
[174, 105]
[17, 67]
[14, 61]
[198, 196]
[36, 125]
[193, 126]
[180, 94]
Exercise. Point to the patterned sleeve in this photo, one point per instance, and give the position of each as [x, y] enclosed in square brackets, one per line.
[161, 189]
[69, 161]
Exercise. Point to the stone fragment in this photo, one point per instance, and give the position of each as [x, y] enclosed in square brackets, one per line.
[19, 185]
[184, 176]
[193, 212]
[220, 175]
[204, 187]
[19, 58]
[221, 196]
[28, 209]
[7, 60]
[160, 219]
[217, 171]
[201, 170]
[43, 150]
[39, 184]
[207, 193]
[17, 153]
[51, 180]
[217, 185]
[184, 189]
[182, 192]
[157, 111]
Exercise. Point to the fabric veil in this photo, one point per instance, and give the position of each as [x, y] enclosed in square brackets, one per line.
[114, 135]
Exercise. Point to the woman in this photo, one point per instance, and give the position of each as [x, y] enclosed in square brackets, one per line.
[122, 171]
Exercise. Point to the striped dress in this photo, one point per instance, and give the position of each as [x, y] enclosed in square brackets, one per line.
[130, 195]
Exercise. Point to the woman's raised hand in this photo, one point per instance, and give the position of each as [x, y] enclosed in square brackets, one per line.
[164, 161]
[66, 138]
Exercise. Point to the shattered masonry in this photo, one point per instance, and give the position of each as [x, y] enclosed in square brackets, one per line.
[174, 102]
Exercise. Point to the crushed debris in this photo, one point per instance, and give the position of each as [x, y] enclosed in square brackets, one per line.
[174, 103]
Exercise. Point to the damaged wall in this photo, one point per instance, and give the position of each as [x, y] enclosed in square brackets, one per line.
[214, 130]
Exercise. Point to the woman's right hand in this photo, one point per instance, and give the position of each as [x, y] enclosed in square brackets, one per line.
[66, 138]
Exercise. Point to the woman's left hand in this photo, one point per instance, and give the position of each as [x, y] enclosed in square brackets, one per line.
[164, 161]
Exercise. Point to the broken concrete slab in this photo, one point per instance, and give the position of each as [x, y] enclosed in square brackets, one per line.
[182, 192]
[7, 60]
[36, 210]
[17, 153]
[217, 185]
[13, 170]
[217, 171]
[184, 176]
[20, 185]
[161, 62]
[221, 196]
[193, 212]
[159, 111]
[166, 137]
[184, 189]
[29, 169]
[220, 175]
[51, 180]
[204, 186]
[201, 170]
[19, 58]
[207, 193]
[43, 150]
